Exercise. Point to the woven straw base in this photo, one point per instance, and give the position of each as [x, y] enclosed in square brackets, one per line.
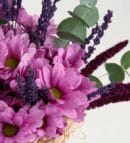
[62, 139]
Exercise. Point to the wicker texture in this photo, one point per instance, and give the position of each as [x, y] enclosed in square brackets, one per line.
[62, 139]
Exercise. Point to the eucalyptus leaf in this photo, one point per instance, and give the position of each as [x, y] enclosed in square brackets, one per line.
[88, 3]
[125, 60]
[60, 43]
[90, 16]
[95, 79]
[115, 71]
[72, 29]
[76, 17]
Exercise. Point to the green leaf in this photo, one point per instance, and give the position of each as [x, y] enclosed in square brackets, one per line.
[3, 21]
[125, 60]
[60, 43]
[115, 71]
[88, 3]
[95, 79]
[72, 29]
[89, 16]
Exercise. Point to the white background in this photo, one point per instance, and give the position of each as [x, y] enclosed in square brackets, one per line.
[109, 124]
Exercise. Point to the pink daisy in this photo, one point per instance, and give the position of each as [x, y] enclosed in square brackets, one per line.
[27, 20]
[52, 121]
[39, 59]
[19, 127]
[16, 54]
[30, 23]
[51, 32]
[70, 56]
[67, 87]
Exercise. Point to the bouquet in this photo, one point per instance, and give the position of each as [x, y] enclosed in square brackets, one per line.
[46, 77]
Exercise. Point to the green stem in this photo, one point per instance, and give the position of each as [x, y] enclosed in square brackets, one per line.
[67, 44]
[127, 72]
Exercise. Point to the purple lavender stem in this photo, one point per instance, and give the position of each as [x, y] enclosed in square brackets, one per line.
[99, 32]
[48, 9]
[11, 11]
[29, 92]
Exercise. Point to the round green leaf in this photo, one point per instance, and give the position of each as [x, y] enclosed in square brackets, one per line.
[60, 43]
[76, 17]
[125, 60]
[90, 16]
[95, 79]
[72, 29]
[115, 71]
[88, 3]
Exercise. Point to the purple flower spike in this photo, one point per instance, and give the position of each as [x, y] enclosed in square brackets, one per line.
[48, 9]
[113, 93]
[11, 9]
[100, 59]
[99, 32]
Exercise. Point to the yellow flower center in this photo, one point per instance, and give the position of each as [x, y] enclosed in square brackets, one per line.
[11, 63]
[10, 130]
[56, 93]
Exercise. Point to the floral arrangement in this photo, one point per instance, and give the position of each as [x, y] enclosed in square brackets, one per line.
[45, 74]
